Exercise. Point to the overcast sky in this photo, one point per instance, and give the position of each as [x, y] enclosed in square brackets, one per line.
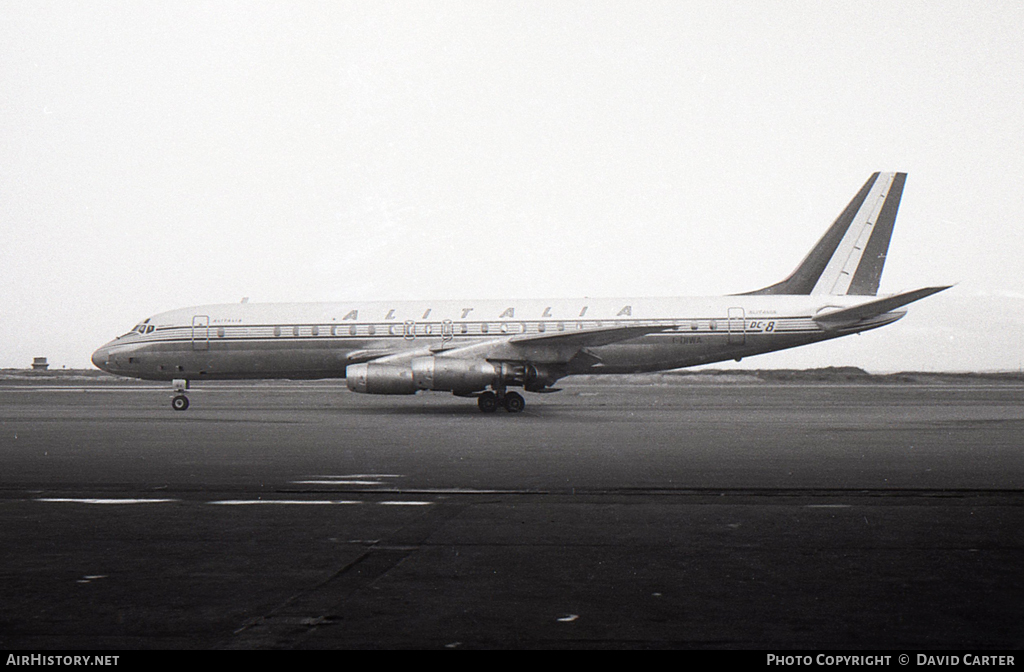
[161, 154]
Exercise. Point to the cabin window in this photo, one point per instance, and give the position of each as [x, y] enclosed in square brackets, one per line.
[693, 326]
[504, 328]
[561, 326]
[352, 330]
[429, 328]
[371, 330]
[316, 330]
[150, 328]
[483, 328]
[712, 325]
[295, 331]
[464, 328]
[393, 330]
[334, 330]
[220, 332]
[540, 327]
[277, 331]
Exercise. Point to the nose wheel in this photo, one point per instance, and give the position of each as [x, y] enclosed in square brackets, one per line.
[179, 402]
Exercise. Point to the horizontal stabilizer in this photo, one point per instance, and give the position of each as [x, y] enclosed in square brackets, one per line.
[847, 316]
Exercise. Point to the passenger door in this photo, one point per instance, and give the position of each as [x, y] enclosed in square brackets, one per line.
[737, 325]
[201, 332]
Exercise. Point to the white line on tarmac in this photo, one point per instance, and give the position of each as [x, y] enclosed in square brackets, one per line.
[235, 502]
[283, 502]
[332, 482]
[357, 476]
[73, 500]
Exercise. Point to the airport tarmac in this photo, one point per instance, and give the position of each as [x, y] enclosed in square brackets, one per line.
[725, 516]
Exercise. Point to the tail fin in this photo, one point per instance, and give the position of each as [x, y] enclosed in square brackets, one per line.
[849, 257]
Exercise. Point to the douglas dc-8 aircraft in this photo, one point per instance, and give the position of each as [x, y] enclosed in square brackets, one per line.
[482, 348]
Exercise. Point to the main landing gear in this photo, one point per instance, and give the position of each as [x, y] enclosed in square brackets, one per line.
[179, 402]
[512, 402]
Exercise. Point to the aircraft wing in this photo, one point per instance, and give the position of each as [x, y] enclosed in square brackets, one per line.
[557, 347]
[844, 317]
[589, 338]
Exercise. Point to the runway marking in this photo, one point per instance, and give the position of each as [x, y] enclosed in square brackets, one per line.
[345, 479]
[469, 491]
[447, 491]
[90, 578]
[358, 476]
[235, 502]
[283, 502]
[73, 500]
[827, 506]
[322, 502]
[337, 482]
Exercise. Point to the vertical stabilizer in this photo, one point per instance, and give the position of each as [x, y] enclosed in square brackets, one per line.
[849, 257]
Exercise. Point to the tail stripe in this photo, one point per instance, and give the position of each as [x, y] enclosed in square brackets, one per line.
[869, 272]
[806, 275]
[838, 273]
[849, 257]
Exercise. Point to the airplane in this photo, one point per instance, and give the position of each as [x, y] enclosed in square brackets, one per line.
[481, 348]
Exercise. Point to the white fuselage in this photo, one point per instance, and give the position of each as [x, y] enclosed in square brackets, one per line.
[481, 348]
[319, 340]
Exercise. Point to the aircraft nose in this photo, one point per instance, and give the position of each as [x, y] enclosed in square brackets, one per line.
[99, 358]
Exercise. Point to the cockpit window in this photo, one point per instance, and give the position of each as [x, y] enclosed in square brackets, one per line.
[141, 328]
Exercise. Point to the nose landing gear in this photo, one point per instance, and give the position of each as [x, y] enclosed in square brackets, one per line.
[179, 402]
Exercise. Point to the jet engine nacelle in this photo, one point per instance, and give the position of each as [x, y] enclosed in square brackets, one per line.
[461, 376]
